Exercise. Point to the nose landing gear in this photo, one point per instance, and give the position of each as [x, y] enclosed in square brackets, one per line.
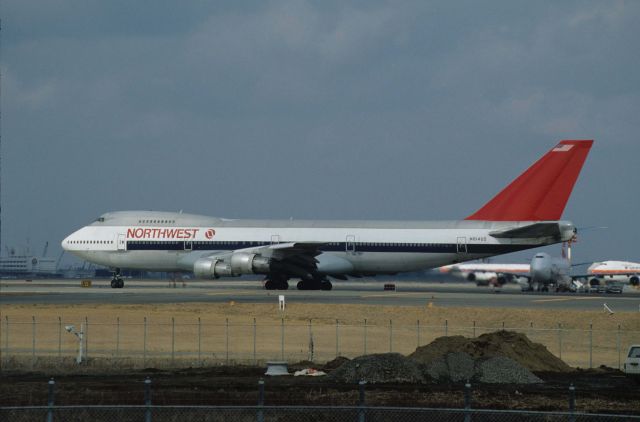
[116, 281]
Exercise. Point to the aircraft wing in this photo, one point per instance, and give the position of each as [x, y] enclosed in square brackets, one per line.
[296, 258]
[512, 275]
[283, 250]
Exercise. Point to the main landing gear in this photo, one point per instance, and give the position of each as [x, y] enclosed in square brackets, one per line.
[276, 283]
[116, 281]
[315, 284]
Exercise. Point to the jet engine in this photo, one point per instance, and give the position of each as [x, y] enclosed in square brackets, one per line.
[232, 265]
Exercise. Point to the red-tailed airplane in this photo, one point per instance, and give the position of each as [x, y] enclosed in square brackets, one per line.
[526, 214]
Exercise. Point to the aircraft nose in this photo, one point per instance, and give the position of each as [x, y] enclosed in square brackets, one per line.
[65, 243]
[540, 269]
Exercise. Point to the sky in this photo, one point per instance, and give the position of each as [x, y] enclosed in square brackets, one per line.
[414, 110]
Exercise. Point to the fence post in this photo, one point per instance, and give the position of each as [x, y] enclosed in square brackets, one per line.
[560, 340]
[86, 339]
[50, 400]
[144, 343]
[361, 401]
[618, 345]
[474, 329]
[255, 359]
[467, 401]
[446, 328]
[59, 337]
[390, 336]
[337, 338]
[282, 338]
[260, 415]
[311, 346]
[590, 345]
[365, 336]
[173, 340]
[226, 340]
[572, 403]
[530, 329]
[418, 331]
[147, 399]
[33, 341]
[502, 325]
[6, 335]
[117, 336]
[199, 341]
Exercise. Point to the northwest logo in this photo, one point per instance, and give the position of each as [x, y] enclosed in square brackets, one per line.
[209, 233]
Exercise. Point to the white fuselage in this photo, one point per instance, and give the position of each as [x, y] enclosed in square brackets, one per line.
[616, 271]
[546, 269]
[162, 241]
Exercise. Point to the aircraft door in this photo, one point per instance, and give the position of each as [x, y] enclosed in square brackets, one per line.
[275, 239]
[188, 245]
[350, 246]
[461, 246]
[122, 244]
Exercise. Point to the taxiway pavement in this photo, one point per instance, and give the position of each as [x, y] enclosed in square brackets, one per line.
[352, 292]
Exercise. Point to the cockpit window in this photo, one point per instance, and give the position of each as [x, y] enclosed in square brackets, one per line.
[100, 219]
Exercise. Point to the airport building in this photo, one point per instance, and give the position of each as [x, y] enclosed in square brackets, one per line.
[24, 265]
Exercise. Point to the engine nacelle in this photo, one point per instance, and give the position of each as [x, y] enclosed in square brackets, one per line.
[232, 265]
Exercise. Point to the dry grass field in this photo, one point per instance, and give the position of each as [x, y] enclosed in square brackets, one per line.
[195, 334]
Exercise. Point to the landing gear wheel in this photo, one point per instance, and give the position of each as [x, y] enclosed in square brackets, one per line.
[114, 284]
[326, 285]
[120, 283]
[301, 285]
[283, 285]
[270, 285]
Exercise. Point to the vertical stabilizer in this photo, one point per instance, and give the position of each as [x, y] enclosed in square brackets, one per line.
[542, 191]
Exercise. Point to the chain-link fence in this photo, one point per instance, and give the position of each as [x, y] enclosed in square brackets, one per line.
[281, 414]
[44, 343]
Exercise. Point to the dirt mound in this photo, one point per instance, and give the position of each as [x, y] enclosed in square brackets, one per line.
[335, 363]
[379, 369]
[516, 346]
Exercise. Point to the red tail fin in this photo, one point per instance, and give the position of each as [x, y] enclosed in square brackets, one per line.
[541, 192]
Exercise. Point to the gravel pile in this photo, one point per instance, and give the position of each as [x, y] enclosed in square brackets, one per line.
[502, 370]
[460, 366]
[378, 369]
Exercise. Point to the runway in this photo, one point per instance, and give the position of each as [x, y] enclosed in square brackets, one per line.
[361, 292]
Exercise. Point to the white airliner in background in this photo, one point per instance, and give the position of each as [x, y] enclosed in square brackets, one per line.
[628, 272]
[543, 271]
[524, 215]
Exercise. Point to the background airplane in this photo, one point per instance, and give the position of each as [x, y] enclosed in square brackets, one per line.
[544, 271]
[623, 271]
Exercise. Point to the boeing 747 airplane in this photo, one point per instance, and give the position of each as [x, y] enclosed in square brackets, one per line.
[526, 214]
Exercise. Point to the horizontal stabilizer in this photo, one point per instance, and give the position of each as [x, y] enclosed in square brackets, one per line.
[528, 232]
